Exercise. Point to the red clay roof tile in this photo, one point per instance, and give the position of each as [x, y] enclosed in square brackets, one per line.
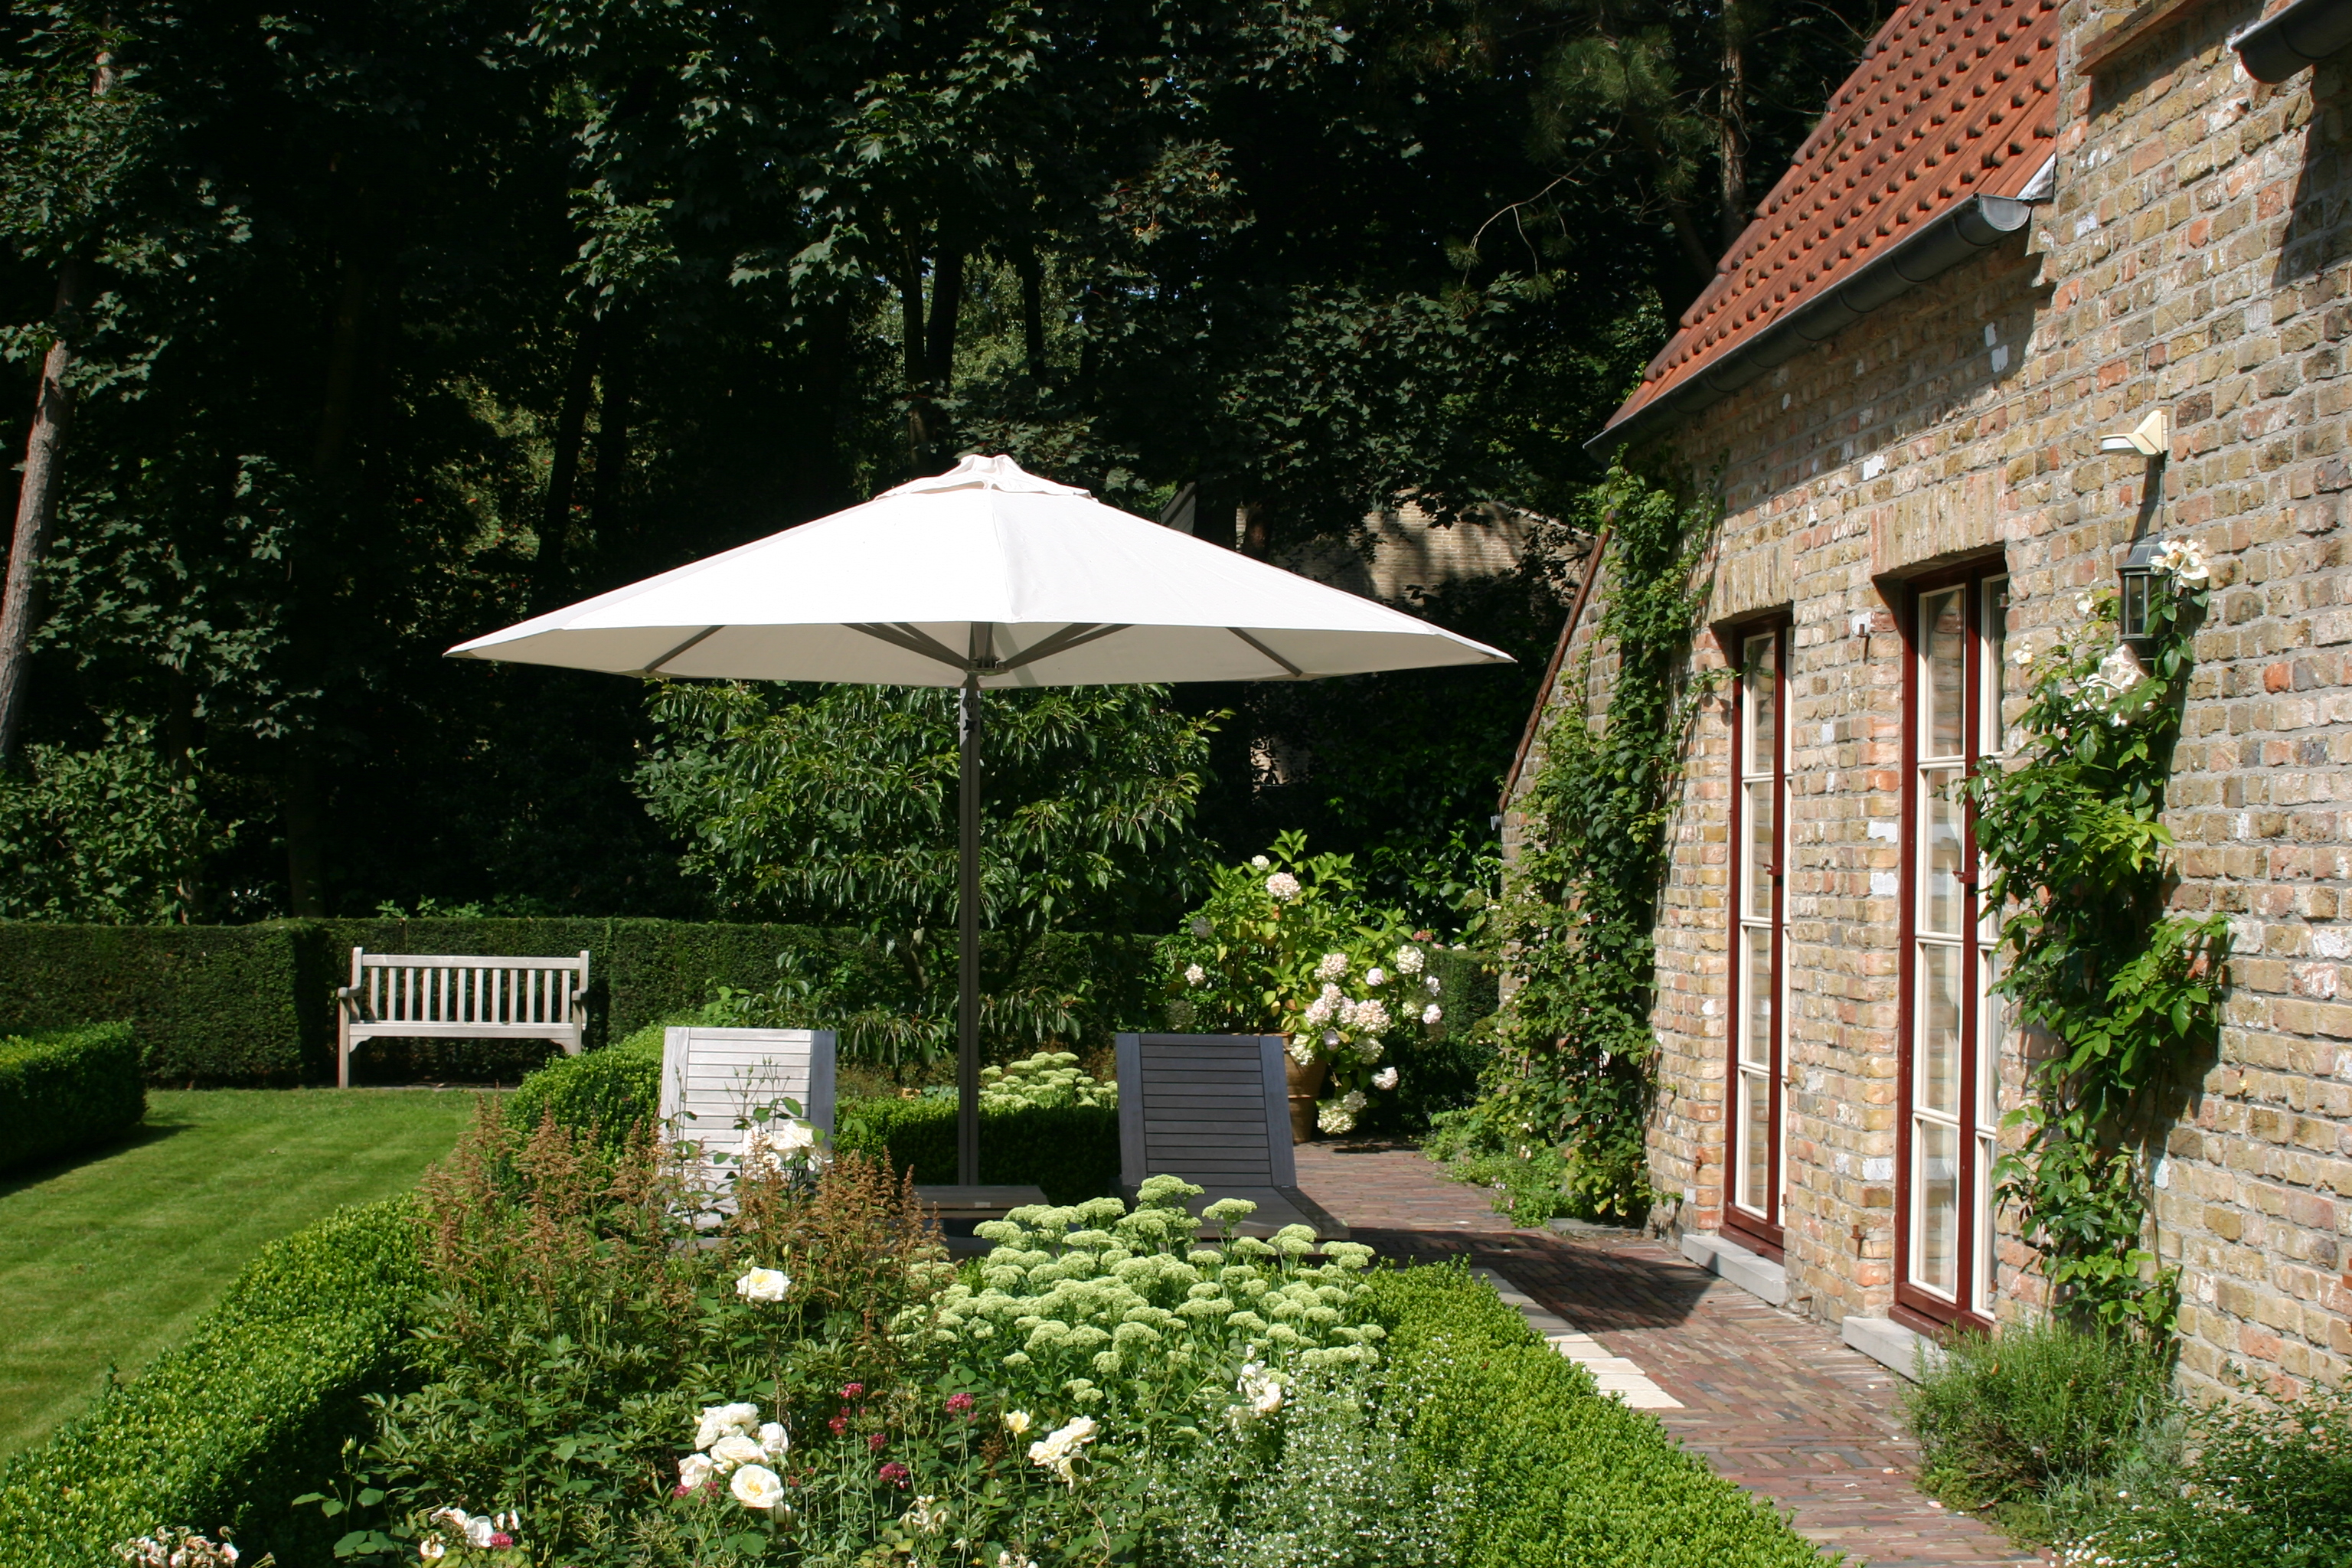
[1971, 83]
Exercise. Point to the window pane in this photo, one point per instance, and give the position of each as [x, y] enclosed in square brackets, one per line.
[1984, 1276]
[1755, 1140]
[2001, 684]
[1992, 1024]
[1935, 1190]
[1758, 1001]
[1945, 626]
[1940, 809]
[1759, 873]
[1936, 1085]
[1760, 681]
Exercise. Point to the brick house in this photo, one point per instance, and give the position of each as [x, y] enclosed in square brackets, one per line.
[2022, 227]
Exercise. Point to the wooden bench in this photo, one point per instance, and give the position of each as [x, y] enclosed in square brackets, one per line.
[713, 1079]
[459, 997]
[1214, 1109]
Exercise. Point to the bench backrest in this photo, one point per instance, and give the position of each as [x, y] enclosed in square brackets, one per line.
[711, 1078]
[469, 988]
[1212, 1109]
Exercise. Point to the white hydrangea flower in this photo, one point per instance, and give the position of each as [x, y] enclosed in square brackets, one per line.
[1333, 965]
[1386, 1077]
[1194, 974]
[1302, 1051]
[1333, 1117]
[1376, 976]
[1368, 1017]
[1431, 1014]
[1331, 1037]
[1354, 1102]
[1408, 960]
[1282, 887]
[1260, 861]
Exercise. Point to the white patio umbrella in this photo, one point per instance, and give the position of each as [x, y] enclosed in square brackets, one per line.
[985, 577]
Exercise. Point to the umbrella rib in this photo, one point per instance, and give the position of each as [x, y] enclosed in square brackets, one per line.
[1076, 634]
[913, 641]
[655, 667]
[1289, 668]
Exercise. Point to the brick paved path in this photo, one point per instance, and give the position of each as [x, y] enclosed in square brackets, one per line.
[1774, 1402]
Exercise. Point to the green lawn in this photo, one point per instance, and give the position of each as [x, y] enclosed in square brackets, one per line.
[108, 1260]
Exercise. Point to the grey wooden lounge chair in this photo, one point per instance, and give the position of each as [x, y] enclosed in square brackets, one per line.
[713, 1079]
[1214, 1109]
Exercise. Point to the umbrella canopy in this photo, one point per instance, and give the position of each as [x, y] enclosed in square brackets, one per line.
[982, 576]
[985, 569]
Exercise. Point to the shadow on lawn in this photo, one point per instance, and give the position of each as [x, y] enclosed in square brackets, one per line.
[139, 1137]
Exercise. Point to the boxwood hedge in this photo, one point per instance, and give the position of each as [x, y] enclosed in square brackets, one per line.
[1070, 1151]
[249, 1413]
[1558, 1474]
[63, 1090]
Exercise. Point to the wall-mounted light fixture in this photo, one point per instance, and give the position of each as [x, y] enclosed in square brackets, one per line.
[2151, 437]
[2134, 581]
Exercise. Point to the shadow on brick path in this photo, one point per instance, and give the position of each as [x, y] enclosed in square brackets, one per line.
[1776, 1404]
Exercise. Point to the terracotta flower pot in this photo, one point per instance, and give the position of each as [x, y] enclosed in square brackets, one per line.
[1305, 1083]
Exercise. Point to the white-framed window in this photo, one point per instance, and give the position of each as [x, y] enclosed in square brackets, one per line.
[1755, 1114]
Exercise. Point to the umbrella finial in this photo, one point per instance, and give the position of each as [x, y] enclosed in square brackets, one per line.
[979, 473]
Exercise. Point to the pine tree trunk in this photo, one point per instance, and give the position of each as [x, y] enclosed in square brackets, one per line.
[37, 509]
[563, 471]
[1732, 134]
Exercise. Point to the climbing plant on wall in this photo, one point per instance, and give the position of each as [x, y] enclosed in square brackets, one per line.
[2122, 990]
[1571, 1088]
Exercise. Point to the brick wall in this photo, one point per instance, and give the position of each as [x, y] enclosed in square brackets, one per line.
[2190, 258]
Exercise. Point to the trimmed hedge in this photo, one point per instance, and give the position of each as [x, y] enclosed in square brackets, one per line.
[206, 1002]
[1559, 1475]
[250, 1412]
[1071, 1151]
[611, 1090]
[63, 1090]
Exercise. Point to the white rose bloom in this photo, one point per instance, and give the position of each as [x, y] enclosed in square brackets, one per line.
[1260, 861]
[1194, 974]
[1376, 976]
[719, 1420]
[774, 1440]
[1016, 1422]
[1261, 1388]
[1385, 1079]
[759, 1488]
[1058, 1449]
[2024, 654]
[432, 1549]
[735, 1450]
[694, 1470]
[478, 1530]
[1408, 961]
[763, 1285]
[1332, 967]
[1431, 1014]
[2082, 605]
[1282, 887]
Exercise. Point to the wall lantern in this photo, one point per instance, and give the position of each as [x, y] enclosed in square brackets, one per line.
[2134, 581]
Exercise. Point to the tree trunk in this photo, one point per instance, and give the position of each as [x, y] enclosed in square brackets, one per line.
[36, 506]
[1033, 315]
[947, 306]
[1732, 128]
[1257, 530]
[564, 469]
[612, 438]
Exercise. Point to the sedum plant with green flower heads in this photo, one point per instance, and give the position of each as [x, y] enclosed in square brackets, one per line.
[1286, 946]
[1048, 1079]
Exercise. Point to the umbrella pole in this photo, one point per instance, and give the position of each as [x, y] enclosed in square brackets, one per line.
[968, 937]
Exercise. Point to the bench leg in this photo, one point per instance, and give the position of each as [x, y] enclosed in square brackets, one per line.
[342, 1053]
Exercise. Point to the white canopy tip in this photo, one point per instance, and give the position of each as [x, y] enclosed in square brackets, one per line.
[978, 473]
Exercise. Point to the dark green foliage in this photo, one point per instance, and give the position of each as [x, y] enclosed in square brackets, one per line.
[1439, 1069]
[610, 1091]
[63, 1090]
[1071, 1151]
[117, 833]
[1574, 1071]
[2043, 1405]
[229, 1428]
[1559, 1475]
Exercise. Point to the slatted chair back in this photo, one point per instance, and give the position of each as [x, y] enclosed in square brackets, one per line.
[1212, 1109]
[713, 1079]
[468, 997]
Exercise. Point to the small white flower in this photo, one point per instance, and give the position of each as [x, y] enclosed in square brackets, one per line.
[1014, 1559]
[719, 1420]
[1282, 887]
[1376, 976]
[1330, 1038]
[1016, 1422]
[2082, 605]
[2024, 654]
[1431, 1014]
[758, 1488]
[1385, 1079]
[1260, 861]
[1262, 1389]
[734, 1451]
[694, 1470]
[774, 1441]
[1194, 974]
[1432, 986]
[925, 1513]
[1202, 928]
[763, 1285]
[1408, 960]
[432, 1549]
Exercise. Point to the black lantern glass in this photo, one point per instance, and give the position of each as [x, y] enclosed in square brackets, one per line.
[2136, 580]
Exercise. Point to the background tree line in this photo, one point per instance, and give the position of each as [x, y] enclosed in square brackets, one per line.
[344, 333]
